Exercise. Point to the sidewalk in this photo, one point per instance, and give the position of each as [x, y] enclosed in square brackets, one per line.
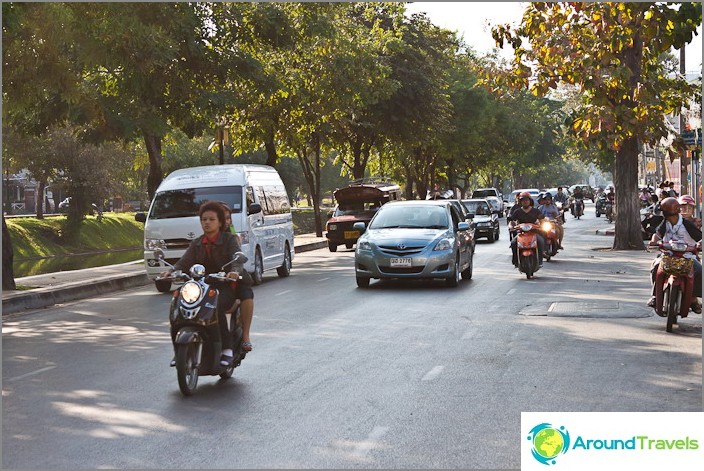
[60, 287]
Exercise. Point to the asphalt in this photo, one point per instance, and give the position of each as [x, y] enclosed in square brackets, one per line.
[41, 291]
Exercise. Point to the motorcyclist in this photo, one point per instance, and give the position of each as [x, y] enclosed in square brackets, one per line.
[549, 210]
[213, 249]
[675, 227]
[526, 213]
[687, 206]
[577, 194]
[561, 196]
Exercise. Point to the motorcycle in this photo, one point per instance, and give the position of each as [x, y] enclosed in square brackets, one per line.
[578, 207]
[193, 314]
[649, 221]
[527, 248]
[674, 281]
[601, 205]
[551, 243]
[609, 211]
[562, 209]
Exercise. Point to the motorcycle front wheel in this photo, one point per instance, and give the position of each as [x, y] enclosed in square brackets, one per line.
[186, 369]
[673, 306]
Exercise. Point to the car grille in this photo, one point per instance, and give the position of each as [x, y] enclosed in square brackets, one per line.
[395, 251]
[177, 244]
[399, 271]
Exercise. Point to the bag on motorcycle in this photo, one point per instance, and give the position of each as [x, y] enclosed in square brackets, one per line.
[676, 266]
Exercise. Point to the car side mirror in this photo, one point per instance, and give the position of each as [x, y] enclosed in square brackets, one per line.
[359, 226]
[140, 217]
[254, 208]
[463, 226]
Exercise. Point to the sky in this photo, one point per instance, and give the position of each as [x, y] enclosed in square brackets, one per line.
[470, 20]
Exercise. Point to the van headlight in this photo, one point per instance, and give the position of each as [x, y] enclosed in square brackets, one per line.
[443, 244]
[190, 292]
[332, 227]
[153, 244]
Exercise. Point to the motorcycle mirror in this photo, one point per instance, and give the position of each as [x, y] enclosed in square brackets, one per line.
[159, 254]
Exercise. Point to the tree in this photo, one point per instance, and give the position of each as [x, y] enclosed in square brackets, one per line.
[611, 52]
[8, 276]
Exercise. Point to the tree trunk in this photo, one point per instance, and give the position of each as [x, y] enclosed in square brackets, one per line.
[628, 229]
[39, 199]
[153, 144]
[272, 158]
[8, 274]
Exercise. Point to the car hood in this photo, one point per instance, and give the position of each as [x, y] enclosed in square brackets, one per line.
[407, 236]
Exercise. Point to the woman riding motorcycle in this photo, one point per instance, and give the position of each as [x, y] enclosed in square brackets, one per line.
[677, 228]
[526, 213]
[687, 206]
[213, 249]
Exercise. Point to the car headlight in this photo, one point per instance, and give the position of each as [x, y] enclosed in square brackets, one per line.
[153, 244]
[190, 292]
[332, 227]
[363, 245]
[443, 244]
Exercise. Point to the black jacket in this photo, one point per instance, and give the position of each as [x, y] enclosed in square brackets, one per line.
[221, 252]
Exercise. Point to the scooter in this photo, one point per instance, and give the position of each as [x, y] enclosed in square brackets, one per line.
[527, 248]
[578, 207]
[609, 211]
[674, 281]
[600, 207]
[193, 314]
[551, 243]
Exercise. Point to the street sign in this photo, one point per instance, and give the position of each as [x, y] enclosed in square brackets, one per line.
[693, 137]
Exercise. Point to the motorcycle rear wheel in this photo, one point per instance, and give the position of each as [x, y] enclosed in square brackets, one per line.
[186, 369]
[673, 306]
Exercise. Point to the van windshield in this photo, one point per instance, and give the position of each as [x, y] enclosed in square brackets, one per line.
[352, 209]
[185, 202]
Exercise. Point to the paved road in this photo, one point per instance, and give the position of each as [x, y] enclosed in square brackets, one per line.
[400, 375]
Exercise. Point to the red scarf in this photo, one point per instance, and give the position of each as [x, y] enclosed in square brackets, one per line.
[207, 242]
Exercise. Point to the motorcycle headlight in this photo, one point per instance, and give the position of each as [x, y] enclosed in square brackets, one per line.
[190, 292]
[526, 227]
[443, 244]
[546, 226]
[332, 227]
[679, 246]
[153, 244]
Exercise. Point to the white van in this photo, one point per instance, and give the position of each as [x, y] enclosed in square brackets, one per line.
[261, 214]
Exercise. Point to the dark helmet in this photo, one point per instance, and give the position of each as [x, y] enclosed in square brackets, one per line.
[524, 195]
[670, 206]
[547, 195]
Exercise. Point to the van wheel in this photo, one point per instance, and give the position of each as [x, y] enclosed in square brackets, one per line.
[258, 268]
[162, 286]
[285, 269]
[332, 246]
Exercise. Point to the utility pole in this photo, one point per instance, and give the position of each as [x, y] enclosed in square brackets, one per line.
[684, 160]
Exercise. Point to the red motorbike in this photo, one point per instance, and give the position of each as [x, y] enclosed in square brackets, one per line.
[552, 244]
[527, 248]
[674, 281]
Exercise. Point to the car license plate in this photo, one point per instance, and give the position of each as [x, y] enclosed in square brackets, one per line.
[400, 262]
[351, 234]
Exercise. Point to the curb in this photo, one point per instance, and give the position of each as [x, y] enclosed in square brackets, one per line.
[39, 298]
[45, 297]
[608, 232]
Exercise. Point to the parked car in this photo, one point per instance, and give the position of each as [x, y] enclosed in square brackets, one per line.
[462, 209]
[496, 204]
[485, 219]
[415, 240]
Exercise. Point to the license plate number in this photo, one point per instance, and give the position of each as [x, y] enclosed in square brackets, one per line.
[351, 234]
[400, 262]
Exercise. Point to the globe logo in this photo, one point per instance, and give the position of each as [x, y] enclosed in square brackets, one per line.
[548, 442]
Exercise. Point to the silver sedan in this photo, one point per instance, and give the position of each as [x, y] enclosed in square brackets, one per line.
[415, 239]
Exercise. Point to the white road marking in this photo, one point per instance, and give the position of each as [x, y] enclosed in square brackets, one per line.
[324, 279]
[283, 292]
[432, 374]
[31, 374]
[511, 291]
[363, 447]
[469, 334]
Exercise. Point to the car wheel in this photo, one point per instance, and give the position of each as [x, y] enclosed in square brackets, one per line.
[285, 269]
[454, 280]
[349, 245]
[362, 282]
[332, 246]
[498, 233]
[467, 274]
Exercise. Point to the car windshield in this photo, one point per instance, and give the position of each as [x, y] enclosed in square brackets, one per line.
[483, 193]
[185, 203]
[352, 209]
[480, 208]
[416, 217]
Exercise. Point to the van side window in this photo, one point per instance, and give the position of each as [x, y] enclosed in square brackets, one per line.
[266, 206]
[250, 196]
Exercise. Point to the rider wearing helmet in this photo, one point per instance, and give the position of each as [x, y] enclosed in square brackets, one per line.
[675, 227]
[527, 213]
[549, 210]
[687, 206]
